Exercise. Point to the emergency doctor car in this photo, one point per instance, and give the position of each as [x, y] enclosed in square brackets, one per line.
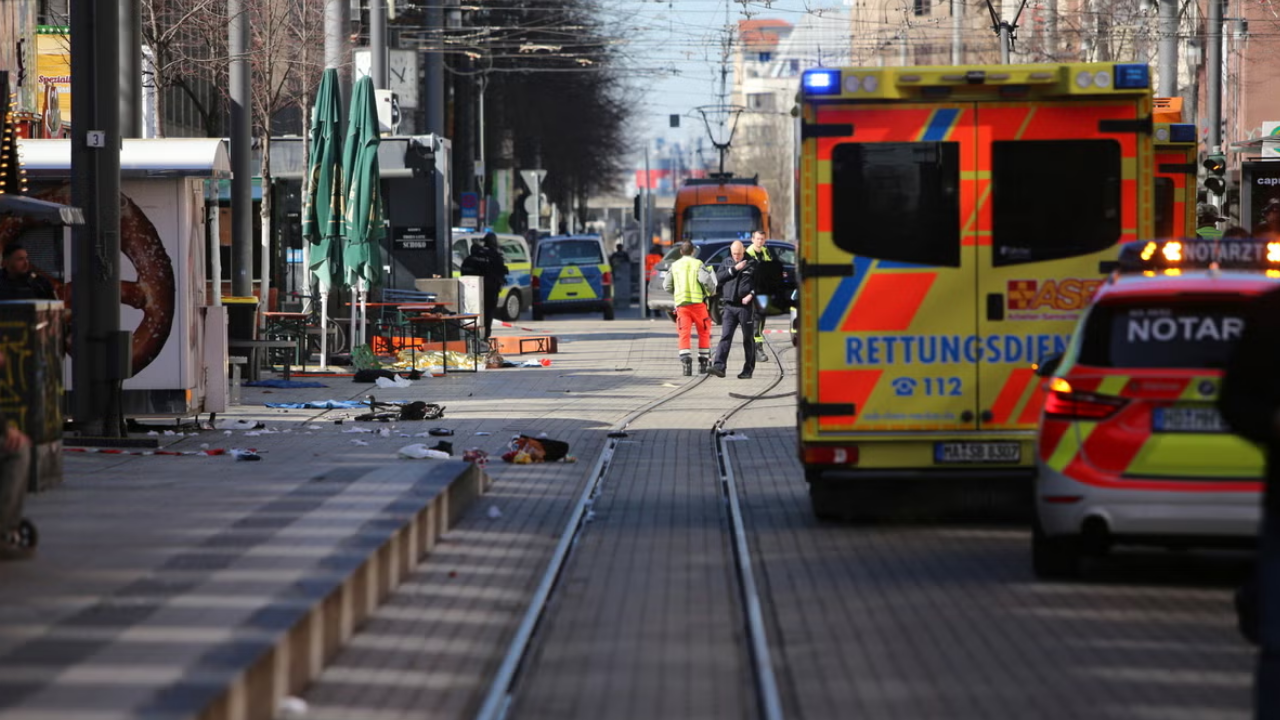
[952, 224]
[1132, 449]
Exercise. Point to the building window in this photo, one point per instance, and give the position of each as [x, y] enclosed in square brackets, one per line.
[760, 101]
[764, 57]
[920, 7]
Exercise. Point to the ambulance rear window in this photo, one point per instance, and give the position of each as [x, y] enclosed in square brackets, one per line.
[1053, 199]
[1162, 334]
[897, 201]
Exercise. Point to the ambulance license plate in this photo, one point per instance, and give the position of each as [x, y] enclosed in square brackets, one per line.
[977, 452]
[570, 280]
[1188, 420]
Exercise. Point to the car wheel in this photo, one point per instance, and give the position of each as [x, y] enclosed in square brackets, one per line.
[608, 311]
[537, 312]
[1053, 558]
[713, 309]
[511, 307]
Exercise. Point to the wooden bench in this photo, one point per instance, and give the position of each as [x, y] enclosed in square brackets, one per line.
[254, 346]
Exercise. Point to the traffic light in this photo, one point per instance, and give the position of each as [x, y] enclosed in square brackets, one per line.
[12, 178]
[1216, 182]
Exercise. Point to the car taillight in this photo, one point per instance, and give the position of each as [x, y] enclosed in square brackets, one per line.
[608, 278]
[1063, 402]
[827, 455]
[535, 282]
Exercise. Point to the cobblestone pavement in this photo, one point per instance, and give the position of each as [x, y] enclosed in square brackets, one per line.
[902, 621]
[888, 621]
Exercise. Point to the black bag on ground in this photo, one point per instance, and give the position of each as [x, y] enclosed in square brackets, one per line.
[554, 449]
[368, 375]
[419, 410]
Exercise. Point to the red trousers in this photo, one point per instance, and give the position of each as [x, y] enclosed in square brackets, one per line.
[687, 318]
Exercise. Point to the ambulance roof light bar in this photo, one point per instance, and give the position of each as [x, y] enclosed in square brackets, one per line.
[823, 81]
[1197, 254]
[940, 81]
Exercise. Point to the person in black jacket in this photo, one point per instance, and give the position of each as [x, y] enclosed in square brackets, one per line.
[18, 281]
[736, 280]
[486, 260]
[1250, 403]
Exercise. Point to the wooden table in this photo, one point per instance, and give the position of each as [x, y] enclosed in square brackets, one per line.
[291, 324]
[253, 346]
[403, 312]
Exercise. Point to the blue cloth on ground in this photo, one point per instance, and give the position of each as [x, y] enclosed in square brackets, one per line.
[285, 384]
[320, 405]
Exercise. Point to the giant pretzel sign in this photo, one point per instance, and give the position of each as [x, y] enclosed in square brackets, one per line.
[154, 291]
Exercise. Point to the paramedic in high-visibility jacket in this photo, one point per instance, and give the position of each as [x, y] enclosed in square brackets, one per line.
[768, 272]
[736, 281]
[684, 282]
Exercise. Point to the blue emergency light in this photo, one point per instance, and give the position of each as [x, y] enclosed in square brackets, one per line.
[821, 82]
[1182, 132]
[1132, 76]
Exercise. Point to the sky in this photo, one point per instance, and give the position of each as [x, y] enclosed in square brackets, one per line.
[672, 51]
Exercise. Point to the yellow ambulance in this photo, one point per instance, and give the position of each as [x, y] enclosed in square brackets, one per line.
[952, 224]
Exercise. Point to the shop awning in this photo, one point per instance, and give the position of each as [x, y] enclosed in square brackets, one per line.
[139, 158]
[41, 210]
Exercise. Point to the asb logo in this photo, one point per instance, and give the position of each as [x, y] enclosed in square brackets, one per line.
[1044, 295]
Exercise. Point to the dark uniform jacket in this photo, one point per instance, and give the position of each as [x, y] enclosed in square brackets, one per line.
[735, 284]
[1250, 393]
[31, 287]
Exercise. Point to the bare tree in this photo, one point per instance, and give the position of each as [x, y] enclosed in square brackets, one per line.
[184, 38]
[188, 43]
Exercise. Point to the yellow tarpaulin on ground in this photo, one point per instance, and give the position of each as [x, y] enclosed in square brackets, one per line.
[433, 361]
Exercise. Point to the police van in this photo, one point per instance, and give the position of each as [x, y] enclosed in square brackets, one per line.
[952, 224]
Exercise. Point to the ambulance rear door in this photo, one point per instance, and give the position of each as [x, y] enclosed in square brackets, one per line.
[1059, 186]
[1175, 180]
[889, 275]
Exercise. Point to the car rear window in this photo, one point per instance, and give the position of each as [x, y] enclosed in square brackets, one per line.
[570, 252]
[1163, 334]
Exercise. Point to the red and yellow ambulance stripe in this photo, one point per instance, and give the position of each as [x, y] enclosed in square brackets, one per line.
[1123, 451]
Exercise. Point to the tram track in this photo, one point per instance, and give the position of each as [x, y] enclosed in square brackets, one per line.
[501, 693]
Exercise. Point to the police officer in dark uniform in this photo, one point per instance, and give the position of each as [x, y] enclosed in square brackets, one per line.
[736, 279]
[17, 281]
[486, 260]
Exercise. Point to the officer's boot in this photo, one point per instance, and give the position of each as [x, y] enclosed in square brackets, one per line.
[687, 362]
[761, 355]
[703, 364]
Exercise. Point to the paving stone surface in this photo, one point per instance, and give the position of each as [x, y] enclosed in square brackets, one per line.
[148, 562]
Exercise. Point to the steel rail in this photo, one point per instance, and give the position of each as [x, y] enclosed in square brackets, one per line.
[498, 699]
